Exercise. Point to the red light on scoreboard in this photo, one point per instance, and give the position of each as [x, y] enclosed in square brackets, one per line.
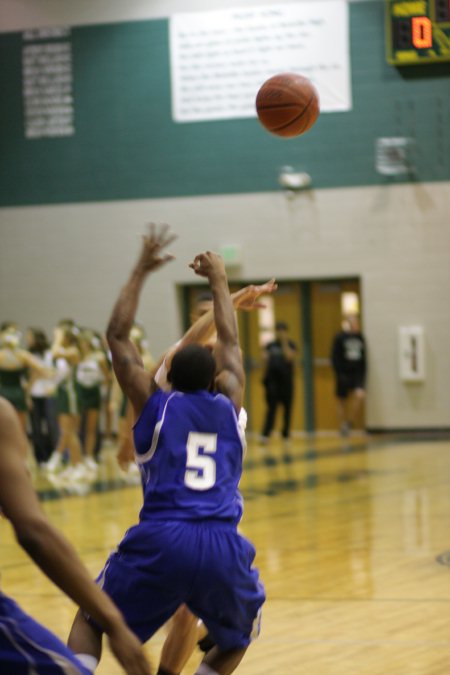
[422, 32]
[417, 31]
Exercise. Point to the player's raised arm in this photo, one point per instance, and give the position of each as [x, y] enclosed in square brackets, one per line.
[230, 373]
[134, 380]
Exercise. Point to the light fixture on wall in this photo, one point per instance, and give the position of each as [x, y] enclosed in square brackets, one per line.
[394, 156]
[293, 181]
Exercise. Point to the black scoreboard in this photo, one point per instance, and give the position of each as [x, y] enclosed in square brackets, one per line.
[417, 31]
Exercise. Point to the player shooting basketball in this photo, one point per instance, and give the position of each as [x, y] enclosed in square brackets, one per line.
[186, 548]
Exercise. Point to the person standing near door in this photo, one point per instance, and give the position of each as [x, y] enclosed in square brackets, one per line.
[348, 358]
[278, 381]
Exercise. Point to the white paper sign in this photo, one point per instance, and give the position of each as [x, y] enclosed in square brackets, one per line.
[47, 77]
[220, 59]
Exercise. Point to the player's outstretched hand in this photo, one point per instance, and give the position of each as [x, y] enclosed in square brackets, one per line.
[128, 651]
[208, 264]
[247, 298]
[153, 244]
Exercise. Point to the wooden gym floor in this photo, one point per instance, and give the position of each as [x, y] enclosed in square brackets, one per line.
[353, 544]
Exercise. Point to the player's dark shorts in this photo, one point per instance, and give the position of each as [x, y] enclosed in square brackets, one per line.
[348, 382]
[27, 647]
[160, 565]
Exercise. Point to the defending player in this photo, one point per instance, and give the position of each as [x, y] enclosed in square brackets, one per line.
[186, 548]
[25, 645]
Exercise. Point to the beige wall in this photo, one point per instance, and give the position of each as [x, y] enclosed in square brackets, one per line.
[71, 260]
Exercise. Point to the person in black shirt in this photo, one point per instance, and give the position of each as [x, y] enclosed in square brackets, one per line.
[279, 379]
[348, 358]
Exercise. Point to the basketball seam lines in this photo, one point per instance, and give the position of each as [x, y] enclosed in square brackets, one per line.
[281, 106]
[287, 124]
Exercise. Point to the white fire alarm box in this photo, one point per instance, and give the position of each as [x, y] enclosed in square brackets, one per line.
[412, 353]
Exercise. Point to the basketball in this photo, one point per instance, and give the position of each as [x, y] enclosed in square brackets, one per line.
[287, 105]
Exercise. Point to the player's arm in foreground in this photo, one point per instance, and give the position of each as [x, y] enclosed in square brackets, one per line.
[51, 551]
[134, 380]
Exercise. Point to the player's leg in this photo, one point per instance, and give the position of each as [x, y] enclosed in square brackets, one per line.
[144, 578]
[184, 633]
[85, 639]
[218, 662]
[231, 610]
[145, 609]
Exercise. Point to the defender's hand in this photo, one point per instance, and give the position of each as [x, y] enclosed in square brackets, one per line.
[247, 298]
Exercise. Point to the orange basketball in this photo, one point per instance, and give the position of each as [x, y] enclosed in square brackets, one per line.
[287, 105]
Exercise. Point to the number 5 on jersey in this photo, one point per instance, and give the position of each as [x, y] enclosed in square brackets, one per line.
[200, 467]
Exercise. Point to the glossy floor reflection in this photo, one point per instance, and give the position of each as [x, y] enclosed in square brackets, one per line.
[353, 547]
